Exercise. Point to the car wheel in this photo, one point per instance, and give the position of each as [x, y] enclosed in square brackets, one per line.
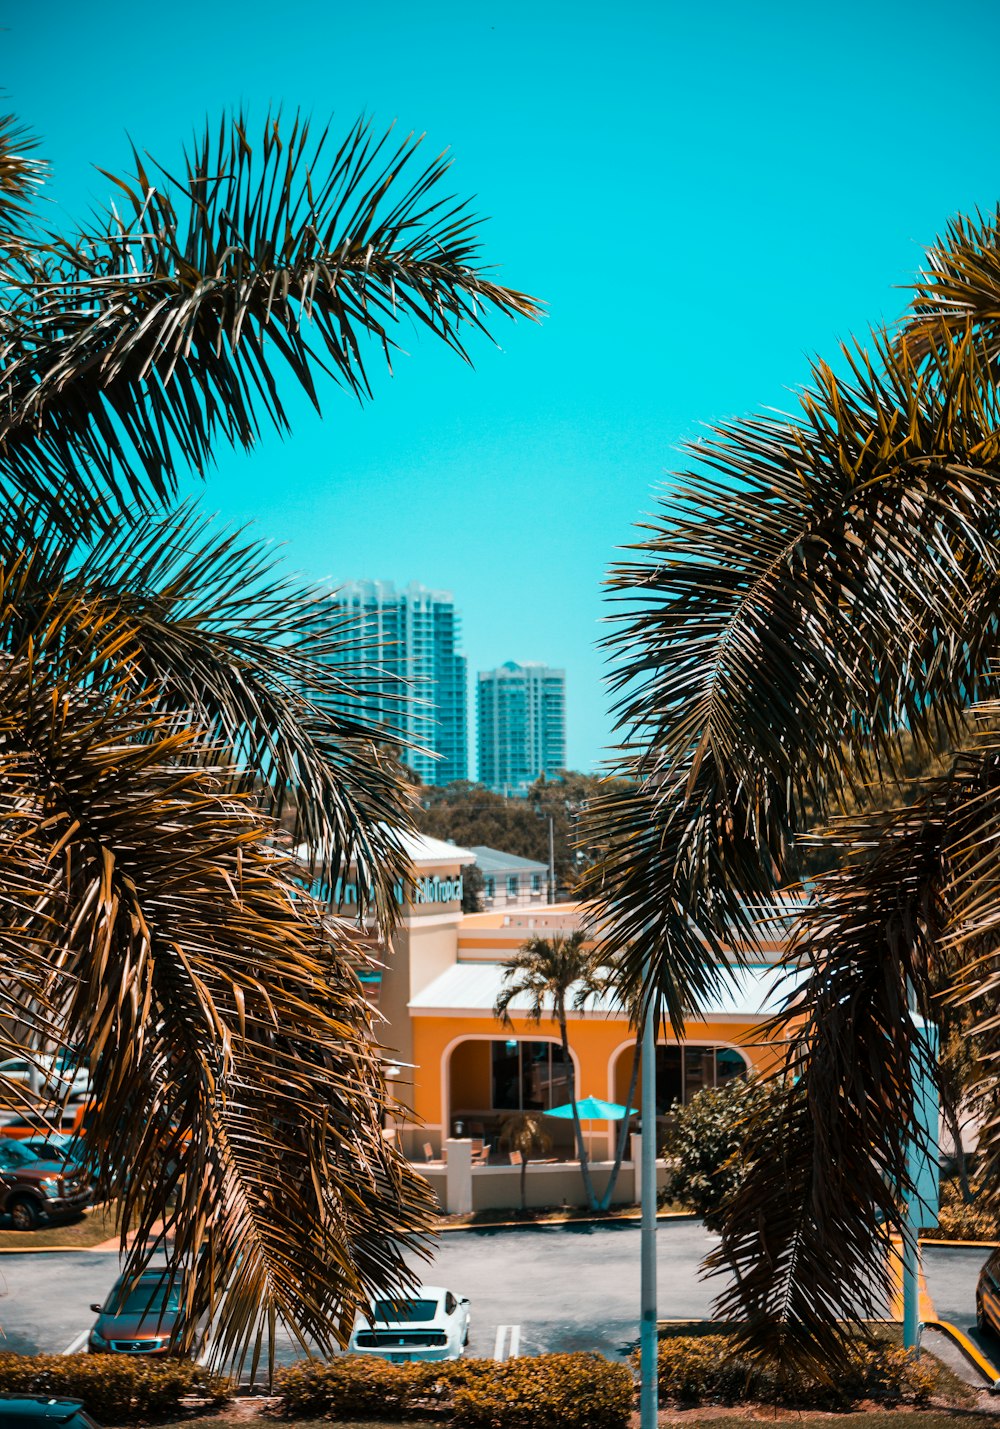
[24, 1213]
[466, 1340]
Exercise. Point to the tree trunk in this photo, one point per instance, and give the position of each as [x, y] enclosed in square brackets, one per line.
[622, 1132]
[588, 1185]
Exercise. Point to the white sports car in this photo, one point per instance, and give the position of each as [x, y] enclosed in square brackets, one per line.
[428, 1324]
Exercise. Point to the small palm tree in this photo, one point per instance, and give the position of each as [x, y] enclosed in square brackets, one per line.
[550, 971]
[523, 1132]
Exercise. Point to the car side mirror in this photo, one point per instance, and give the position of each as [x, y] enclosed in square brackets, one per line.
[96, 1309]
[464, 1300]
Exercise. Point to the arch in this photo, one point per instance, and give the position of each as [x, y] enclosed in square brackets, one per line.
[448, 1050]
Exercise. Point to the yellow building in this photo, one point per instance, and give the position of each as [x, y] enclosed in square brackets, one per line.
[461, 1070]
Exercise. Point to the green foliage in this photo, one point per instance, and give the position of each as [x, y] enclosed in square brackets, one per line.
[471, 814]
[112, 1386]
[571, 1391]
[707, 1142]
[962, 1220]
[705, 1369]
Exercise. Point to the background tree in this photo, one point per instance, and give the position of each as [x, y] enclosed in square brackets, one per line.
[471, 814]
[817, 589]
[551, 972]
[525, 1133]
[164, 693]
[712, 1143]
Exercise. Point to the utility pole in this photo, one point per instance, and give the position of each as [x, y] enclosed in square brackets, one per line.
[552, 861]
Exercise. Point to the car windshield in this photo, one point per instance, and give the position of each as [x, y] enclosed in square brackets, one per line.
[405, 1312]
[149, 1297]
[12, 1156]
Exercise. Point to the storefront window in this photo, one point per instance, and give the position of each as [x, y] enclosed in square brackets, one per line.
[682, 1072]
[528, 1076]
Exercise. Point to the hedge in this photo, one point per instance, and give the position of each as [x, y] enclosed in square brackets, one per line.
[111, 1386]
[568, 1391]
[696, 1370]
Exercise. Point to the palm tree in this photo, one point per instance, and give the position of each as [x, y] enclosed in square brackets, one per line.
[819, 593]
[166, 693]
[523, 1132]
[548, 971]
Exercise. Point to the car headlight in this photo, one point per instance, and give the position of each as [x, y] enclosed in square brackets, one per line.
[49, 1185]
[97, 1342]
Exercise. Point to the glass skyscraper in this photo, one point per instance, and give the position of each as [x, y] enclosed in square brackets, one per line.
[402, 659]
[522, 725]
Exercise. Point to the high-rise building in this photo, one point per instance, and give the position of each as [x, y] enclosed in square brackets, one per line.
[412, 636]
[522, 725]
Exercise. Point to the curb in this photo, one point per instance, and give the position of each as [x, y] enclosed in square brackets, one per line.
[968, 1244]
[631, 1219]
[972, 1353]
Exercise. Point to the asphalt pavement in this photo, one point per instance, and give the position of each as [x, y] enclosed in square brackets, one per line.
[544, 1288]
[532, 1289]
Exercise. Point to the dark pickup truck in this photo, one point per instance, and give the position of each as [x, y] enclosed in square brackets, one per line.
[33, 1190]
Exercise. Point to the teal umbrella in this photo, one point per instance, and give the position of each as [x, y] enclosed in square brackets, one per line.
[592, 1109]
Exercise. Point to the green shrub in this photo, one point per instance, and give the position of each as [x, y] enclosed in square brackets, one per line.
[109, 1385]
[569, 1391]
[574, 1391]
[713, 1141]
[362, 1386]
[705, 1368]
[961, 1221]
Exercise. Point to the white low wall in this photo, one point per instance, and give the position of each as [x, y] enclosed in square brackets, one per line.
[495, 1188]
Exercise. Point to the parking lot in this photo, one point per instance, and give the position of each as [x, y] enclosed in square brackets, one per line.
[532, 1290]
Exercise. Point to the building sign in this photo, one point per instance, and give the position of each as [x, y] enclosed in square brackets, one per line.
[438, 890]
[429, 889]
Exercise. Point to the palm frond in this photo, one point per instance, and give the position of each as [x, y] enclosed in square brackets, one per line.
[222, 637]
[806, 1236]
[237, 1081]
[21, 177]
[169, 325]
[786, 618]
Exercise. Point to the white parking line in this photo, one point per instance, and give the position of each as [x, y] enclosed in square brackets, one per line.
[501, 1340]
[75, 1346]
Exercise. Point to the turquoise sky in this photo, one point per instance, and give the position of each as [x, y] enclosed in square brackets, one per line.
[703, 195]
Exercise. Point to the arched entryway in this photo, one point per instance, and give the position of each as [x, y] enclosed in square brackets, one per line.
[486, 1078]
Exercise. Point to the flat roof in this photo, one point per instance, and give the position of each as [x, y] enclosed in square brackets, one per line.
[747, 995]
[494, 860]
[421, 849]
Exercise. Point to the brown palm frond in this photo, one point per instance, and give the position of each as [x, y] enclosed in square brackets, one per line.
[21, 176]
[806, 1236]
[784, 621]
[131, 350]
[913, 909]
[959, 290]
[224, 638]
[230, 1045]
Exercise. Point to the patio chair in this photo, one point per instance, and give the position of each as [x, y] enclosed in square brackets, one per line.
[516, 1159]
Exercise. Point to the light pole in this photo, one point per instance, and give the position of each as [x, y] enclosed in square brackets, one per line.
[648, 1388]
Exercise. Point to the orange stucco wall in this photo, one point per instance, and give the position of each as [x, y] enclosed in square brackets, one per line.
[596, 1042]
